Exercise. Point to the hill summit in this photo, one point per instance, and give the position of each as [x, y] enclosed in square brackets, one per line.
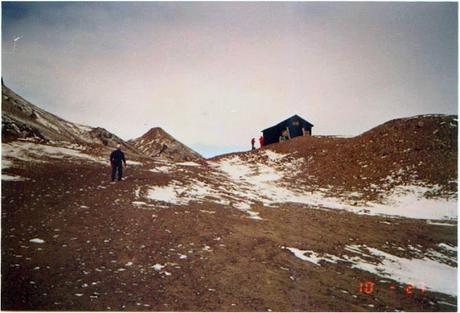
[158, 143]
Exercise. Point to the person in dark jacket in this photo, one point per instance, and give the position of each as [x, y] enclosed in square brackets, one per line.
[117, 158]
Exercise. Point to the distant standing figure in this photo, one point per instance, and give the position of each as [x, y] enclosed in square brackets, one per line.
[163, 148]
[305, 132]
[284, 136]
[261, 141]
[117, 158]
[253, 142]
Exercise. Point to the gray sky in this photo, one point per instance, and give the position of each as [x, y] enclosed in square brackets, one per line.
[215, 74]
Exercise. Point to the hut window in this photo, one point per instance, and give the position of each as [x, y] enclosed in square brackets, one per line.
[295, 123]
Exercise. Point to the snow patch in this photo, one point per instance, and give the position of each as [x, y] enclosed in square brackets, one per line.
[161, 169]
[168, 193]
[234, 168]
[6, 164]
[157, 267]
[429, 222]
[409, 201]
[82, 128]
[274, 156]
[45, 123]
[7, 177]
[312, 256]
[29, 152]
[207, 211]
[188, 164]
[134, 163]
[447, 247]
[37, 240]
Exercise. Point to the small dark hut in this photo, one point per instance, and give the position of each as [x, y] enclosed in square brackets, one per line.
[292, 127]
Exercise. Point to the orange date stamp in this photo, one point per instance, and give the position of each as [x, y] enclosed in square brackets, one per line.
[370, 287]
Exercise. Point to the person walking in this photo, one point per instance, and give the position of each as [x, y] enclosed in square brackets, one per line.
[253, 142]
[117, 159]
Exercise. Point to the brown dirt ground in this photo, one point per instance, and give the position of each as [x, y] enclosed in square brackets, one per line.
[245, 268]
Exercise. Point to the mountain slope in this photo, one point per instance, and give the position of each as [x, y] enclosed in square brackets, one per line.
[22, 119]
[156, 140]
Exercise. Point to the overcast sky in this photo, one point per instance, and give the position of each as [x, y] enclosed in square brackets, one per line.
[214, 75]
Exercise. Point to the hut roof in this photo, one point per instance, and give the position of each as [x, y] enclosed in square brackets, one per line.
[288, 119]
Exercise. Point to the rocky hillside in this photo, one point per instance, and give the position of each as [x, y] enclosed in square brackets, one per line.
[23, 120]
[159, 144]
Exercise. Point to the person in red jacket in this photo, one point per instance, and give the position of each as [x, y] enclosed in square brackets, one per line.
[262, 141]
[253, 142]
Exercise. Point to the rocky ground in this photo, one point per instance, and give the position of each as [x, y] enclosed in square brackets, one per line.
[292, 227]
